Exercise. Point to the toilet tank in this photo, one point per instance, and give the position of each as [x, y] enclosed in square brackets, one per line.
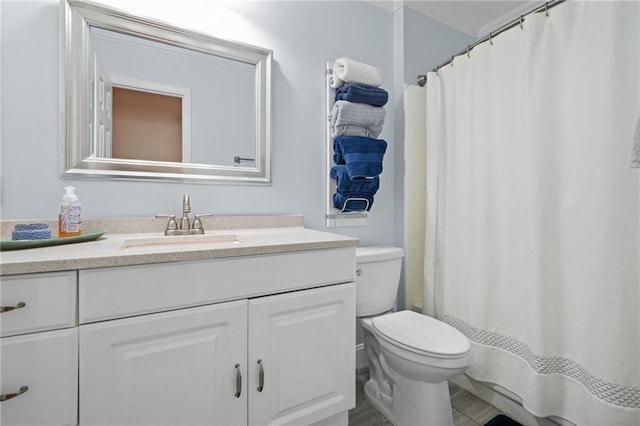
[377, 279]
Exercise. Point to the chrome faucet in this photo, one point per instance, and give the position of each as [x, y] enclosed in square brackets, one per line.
[185, 227]
[186, 209]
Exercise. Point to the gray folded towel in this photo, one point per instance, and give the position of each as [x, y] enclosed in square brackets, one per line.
[635, 149]
[356, 119]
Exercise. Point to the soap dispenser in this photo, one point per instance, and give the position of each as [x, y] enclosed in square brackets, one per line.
[69, 222]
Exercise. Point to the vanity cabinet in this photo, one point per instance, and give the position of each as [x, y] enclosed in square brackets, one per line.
[265, 339]
[207, 365]
[259, 358]
[39, 369]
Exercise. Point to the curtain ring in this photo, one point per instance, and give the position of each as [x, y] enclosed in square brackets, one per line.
[546, 9]
[452, 61]
[468, 56]
[521, 21]
[491, 39]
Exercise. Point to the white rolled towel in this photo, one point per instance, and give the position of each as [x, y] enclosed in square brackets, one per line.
[347, 70]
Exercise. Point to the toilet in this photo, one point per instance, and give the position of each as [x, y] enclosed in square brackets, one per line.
[411, 356]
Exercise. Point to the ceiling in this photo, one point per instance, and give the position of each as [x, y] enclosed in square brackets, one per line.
[473, 17]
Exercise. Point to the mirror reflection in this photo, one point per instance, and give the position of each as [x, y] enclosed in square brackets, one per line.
[170, 103]
[160, 102]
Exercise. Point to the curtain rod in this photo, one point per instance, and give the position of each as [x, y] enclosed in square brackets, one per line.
[422, 78]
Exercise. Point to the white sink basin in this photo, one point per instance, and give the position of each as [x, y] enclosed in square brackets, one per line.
[183, 241]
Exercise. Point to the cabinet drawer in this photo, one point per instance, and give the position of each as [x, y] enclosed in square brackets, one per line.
[49, 302]
[46, 363]
[109, 293]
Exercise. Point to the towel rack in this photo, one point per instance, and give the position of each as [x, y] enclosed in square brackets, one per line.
[336, 217]
[348, 200]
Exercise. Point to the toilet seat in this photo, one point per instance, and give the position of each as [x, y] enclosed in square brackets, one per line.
[421, 334]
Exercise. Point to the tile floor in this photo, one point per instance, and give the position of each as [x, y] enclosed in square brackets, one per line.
[468, 410]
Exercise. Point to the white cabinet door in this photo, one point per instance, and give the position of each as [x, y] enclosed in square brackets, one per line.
[39, 379]
[305, 342]
[172, 368]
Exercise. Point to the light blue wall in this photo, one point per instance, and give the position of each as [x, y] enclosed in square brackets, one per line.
[428, 43]
[303, 36]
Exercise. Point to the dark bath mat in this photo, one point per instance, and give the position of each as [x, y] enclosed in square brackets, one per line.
[502, 420]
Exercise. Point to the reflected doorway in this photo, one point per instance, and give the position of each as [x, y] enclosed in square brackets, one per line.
[147, 126]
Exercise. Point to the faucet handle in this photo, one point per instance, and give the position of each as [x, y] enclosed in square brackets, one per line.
[197, 224]
[172, 225]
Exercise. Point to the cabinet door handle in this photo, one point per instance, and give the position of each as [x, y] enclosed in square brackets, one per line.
[11, 308]
[7, 396]
[238, 381]
[260, 376]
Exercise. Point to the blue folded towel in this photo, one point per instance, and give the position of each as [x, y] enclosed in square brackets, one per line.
[352, 201]
[362, 93]
[362, 156]
[345, 184]
[352, 195]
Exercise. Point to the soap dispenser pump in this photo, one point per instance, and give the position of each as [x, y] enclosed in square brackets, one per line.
[69, 222]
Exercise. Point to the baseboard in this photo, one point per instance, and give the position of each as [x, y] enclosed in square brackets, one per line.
[506, 402]
[340, 419]
[361, 357]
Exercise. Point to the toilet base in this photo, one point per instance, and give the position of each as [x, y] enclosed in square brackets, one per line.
[379, 400]
[413, 403]
[421, 403]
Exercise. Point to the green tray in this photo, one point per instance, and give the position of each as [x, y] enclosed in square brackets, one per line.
[6, 245]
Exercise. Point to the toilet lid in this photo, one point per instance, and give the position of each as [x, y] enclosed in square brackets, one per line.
[420, 333]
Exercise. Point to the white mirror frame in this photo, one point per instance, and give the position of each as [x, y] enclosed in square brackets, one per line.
[77, 17]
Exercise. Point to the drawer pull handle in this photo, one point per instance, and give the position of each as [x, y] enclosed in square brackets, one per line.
[238, 381]
[7, 396]
[11, 308]
[260, 376]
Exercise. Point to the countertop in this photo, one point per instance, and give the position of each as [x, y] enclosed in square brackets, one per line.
[254, 236]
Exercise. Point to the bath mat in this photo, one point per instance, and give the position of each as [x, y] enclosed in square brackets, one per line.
[502, 420]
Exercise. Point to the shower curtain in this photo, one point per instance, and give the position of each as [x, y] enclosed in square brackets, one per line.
[533, 213]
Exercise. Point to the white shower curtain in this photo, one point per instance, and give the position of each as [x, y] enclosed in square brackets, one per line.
[533, 213]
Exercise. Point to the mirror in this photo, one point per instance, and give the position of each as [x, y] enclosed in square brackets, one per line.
[144, 100]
